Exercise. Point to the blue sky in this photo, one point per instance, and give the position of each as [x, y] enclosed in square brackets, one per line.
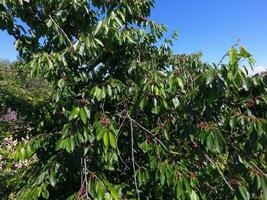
[210, 26]
[213, 26]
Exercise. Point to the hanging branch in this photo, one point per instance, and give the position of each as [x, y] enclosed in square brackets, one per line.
[146, 130]
[155, 138]
[133, 159]
[83, 192]
[158, 140]
[124, 119]
[94, 175]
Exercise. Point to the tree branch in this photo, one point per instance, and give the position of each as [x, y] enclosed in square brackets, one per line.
[220, 172]
[259, 170]
[62, 31]
[225, 55]
[158, 140]
[133, 159]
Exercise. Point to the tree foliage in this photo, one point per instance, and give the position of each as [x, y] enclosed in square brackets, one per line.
[127, 118]
[21, 98]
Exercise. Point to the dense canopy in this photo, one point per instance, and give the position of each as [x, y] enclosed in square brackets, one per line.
[122, 116]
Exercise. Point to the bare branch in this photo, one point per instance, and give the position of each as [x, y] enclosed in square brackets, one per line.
[133, 159]
[225, 179]
[259, 170]
[220, 172]
[83, 192]
[124, 119]
[94, 175]
[158, 140]
[146, 130]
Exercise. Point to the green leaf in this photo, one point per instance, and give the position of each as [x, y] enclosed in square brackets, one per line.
[209, 141]
[88, 113]
[180, 83]
[58, 95]
[99, 133]
[50, 64]
[162, 178]
[49, 23]
[98, 93]
[114, 193]
[145, 146]
[98, 27]
[22, 154]
[45, 194]
[109, 90]
[118, 21]
[105, 139]
[61, 83]
[112, 140]
[165, 104]
[156, 108]
[179, 189]
[81, 50]
[99, 42]
[233, 56]
[209, 77]
[244, 192]
[142, 103]
[70, 144]
[83, 115]
[74, 112]
[264, 187]
[175, 102]
[194, 196]
[52, 179]
[244, 53]
[40, 178]
[29, 150]
[232, 122]
[246, 84]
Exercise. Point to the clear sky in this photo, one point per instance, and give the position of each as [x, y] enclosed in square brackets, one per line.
[210, 26]
[213, 26]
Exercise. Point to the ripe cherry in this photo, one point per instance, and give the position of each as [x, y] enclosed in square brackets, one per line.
[202, 125]
[250, 103]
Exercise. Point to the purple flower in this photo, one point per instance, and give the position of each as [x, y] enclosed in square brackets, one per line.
[9, 116]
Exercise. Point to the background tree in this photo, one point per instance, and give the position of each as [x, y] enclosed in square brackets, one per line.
[21, 98]
[129, 119]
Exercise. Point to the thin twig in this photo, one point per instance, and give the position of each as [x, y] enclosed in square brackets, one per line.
[62, 31]
[84, 181]
[210, 160]
[225, 55]
[133, 160]
[215, 166]
[146, 130]
[123, 161]
[124, 119]
[259, 170]
[94, 175]
[159, 141]
[85, 178]
[225, 179]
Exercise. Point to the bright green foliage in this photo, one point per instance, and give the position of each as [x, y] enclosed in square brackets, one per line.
[150, 124]
[21, 99]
